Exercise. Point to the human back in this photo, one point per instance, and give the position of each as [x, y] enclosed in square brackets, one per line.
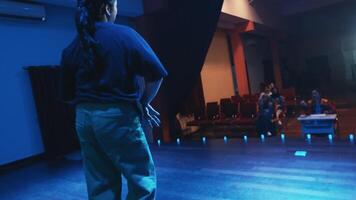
[99, 74]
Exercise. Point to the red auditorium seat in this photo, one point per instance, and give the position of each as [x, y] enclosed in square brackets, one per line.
[290, 101]
[248, 110]
[236, 99]
[289, 94]
[212, 110]
[228, 109]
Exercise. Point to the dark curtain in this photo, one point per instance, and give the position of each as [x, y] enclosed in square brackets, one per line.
[56, 119]
[181, 35]
[194, 103]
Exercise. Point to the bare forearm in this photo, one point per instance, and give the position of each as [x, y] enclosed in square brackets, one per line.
[150, 92]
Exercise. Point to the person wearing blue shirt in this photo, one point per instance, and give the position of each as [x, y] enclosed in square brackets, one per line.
[100, 72]
[319, 105]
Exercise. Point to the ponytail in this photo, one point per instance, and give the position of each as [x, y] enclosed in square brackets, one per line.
[88, 12]
[85, 23]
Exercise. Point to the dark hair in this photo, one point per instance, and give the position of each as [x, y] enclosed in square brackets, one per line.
[88, 12]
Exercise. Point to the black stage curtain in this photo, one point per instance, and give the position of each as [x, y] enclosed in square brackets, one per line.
[181, 35]
[56, 119]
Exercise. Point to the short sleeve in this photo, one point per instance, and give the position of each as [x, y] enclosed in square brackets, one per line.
[146, 62]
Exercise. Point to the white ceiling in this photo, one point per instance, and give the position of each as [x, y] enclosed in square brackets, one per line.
[130, 8]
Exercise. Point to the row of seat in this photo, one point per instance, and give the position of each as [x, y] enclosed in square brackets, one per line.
[243, 107]
[230, 109]
[235, 113]
[240, 116]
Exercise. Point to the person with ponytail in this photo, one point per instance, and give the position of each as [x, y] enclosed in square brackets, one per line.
[99, 71]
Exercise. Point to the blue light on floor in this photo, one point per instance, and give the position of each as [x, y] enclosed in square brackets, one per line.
[308, 136]
[300, 153]
[245, 139]
[283, 138]
[225, 139]
[330, 137]
[262, 137]
[204, 140]
[178, 141]
[352, 138]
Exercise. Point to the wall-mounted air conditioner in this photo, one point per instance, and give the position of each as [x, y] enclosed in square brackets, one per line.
[13, 9]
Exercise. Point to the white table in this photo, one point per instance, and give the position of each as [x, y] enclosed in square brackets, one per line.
[318, 124]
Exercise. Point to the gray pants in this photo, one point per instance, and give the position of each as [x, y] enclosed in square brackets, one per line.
[113, 144]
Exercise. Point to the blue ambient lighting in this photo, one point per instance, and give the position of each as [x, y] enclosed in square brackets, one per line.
[178, 141]
[300, 153]
[225, 139]
[159, 142]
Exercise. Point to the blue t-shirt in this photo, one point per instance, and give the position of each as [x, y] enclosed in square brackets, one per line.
[124, 57]
[318, 109]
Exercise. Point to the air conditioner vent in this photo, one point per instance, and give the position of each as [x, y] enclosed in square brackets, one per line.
[14, 9]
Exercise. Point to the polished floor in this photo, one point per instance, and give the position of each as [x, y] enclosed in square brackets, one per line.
[217, 170]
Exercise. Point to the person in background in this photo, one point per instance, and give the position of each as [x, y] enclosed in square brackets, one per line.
[276, 97]
[266, 91]
[265, 123]
[99, 75]
[319, 105]
[278, 102]
[262, 87]
[183, 120]
[304, 108]
[271, 86]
